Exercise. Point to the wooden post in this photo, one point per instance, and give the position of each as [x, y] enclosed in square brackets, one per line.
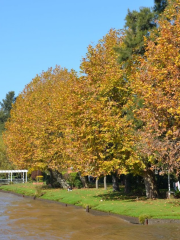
[146, 221]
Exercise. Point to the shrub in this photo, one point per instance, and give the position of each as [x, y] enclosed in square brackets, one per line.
[143, 217]
[78, 183]
[73, 179]
[38, 192]
[177, 194]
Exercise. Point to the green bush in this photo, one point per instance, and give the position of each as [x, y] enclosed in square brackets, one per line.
[143, 217]
[78, 183]
[73, 180]
[38, 192]
[177, 194]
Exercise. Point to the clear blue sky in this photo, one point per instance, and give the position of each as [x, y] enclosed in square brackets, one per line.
[38, 34]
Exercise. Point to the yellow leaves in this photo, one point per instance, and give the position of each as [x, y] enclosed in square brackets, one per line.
[171, 110]
[34, 131]
[159, 75]
[169, 133]
[62, 120]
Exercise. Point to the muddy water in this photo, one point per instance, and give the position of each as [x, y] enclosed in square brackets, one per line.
[25, 218]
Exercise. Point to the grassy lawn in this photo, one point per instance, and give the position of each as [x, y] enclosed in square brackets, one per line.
[103, 200]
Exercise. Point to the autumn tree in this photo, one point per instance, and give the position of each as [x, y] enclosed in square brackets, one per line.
[35, 132]
[157, 82]
[138, 25]
[101, 135]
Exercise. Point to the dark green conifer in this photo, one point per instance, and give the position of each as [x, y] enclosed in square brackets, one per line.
[137, 25]
[5, 108]
[159, 6]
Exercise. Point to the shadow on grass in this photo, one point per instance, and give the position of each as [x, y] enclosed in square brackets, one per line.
[135, 195]
[110, 195]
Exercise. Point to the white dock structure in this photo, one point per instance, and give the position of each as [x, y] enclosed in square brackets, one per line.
[10, 172]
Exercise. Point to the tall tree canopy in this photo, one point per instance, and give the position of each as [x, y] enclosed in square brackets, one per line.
[34, 133]
[102, 139]
[138, 27]
[60, 120]
[157, 82]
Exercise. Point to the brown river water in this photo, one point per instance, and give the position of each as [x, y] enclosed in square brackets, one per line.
[24, 218]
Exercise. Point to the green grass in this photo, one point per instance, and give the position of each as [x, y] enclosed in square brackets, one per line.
[103, 200]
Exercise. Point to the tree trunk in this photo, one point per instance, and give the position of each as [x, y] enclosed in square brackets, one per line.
[150, 184]
[97, 183]
[105, 183]
[127, 188]
[115, 182]
[56, 179]
[84, 180]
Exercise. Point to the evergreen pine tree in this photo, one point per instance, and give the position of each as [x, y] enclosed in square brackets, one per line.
[137, 25]
[5, 109]
[159, 6]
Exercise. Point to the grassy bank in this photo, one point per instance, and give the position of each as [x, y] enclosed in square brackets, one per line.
[103, 200]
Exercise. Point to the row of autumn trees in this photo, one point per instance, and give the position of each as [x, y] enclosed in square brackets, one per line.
[120, 115]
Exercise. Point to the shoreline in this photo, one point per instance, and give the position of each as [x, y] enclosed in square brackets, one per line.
[132, 220]
[129, 219]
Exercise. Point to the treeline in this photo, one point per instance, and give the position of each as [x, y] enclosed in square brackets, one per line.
[120, 115]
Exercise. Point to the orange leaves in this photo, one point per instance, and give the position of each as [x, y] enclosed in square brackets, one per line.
[158, 83]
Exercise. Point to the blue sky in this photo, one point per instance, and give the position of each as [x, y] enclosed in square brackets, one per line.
[38, 34]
